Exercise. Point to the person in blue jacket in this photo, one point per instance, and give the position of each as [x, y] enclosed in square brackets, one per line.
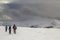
[6, 28]
[9, 29]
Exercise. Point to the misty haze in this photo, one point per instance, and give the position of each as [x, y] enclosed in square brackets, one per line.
[39, 13]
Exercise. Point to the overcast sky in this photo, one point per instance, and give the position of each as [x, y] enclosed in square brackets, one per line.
[49, 8]
[28, 10]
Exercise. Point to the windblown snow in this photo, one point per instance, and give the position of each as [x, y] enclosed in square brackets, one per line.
[25, 33]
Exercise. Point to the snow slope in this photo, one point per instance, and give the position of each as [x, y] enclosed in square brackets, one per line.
[24, 33]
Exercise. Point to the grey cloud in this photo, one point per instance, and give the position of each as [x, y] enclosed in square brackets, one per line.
[46, 8]
[14, 5]
[31, 11]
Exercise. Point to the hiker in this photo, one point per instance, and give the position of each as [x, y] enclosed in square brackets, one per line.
[6, 28]
[14, 28]
[9, 29]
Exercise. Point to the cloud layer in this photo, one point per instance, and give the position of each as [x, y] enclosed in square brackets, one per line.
[5, 1]
[30, 11]
[47, 8]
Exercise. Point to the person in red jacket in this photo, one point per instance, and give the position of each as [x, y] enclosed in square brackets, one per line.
[14, 28]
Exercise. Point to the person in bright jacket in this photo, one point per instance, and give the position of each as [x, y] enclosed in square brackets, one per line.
[14, 28]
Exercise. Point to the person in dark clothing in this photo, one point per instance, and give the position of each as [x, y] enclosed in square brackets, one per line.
[9, 29]
[14, 28]
[6, 28]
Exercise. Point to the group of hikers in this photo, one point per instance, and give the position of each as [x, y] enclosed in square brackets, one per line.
[9, 28]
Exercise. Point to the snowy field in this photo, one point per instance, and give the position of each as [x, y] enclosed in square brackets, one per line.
[24, 33]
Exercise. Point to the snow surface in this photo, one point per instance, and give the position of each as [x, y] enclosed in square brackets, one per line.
[24, 33]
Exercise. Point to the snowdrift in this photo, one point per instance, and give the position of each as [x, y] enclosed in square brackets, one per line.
[24, 33]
